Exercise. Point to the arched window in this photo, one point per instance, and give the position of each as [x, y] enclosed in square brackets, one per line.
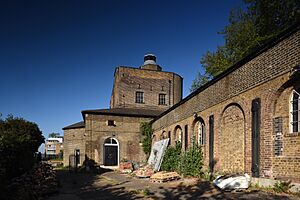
[295, 112]
[178, 134]
[201, 133]
[110, 141]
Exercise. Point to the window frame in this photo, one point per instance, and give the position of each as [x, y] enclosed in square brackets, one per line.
[164, 99]
[138, 98]
[294, 113]
[201, 133]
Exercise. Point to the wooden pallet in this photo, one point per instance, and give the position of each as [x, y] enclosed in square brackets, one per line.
[162, 177]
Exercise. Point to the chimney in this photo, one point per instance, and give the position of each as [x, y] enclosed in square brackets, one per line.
[150, 63]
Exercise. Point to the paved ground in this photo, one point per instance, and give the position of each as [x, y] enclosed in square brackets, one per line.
[112, 185]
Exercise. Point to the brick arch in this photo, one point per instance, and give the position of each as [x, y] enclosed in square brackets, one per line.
[163, 135]
[277, 105]
[232, 139]
[194, 127]
[178, 133]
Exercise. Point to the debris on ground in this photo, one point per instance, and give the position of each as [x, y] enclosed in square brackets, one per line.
[126, 167]
[39, 182]
[144, 172]
[232, 182]
[163, 176]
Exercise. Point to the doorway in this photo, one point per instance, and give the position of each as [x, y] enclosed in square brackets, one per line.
[111, 152]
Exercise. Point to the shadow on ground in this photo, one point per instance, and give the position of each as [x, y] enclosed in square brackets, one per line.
[90, 186]
[205, 190]
[112, 185]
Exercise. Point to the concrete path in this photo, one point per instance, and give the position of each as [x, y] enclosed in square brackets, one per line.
[112, 185]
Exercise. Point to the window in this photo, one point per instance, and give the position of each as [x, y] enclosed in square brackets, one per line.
[162, 99]
[295, 112]
[201, 133]
[110, 141]
[110, 123]
[139, 97]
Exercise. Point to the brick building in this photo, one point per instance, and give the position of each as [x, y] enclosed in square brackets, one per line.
[246, 119]
[110, 135]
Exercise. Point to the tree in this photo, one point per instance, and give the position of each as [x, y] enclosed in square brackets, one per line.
[19, 141]
[200, 80]
[247, 30]
[54, 135]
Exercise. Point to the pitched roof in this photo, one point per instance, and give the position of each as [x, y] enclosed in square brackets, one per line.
[76, 125]
[131, 112]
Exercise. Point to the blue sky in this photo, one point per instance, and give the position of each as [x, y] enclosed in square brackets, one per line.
[58, 57]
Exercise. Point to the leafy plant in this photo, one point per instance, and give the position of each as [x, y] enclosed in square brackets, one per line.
[192, 161]
[172, 158]
[188, 163]
[283, 186]
[146, 131]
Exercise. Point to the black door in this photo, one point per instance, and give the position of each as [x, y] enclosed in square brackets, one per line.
[255, 136]
[211, 143]
[111, 155]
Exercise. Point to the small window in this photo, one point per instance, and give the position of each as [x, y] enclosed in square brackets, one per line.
[139, 97]
[162, 99]
[110, 123]
[295, 112]
[201, 133]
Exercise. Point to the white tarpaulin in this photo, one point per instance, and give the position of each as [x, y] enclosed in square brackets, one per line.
[232, 182]
[157, 153]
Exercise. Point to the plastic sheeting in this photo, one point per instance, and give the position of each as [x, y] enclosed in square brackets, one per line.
[157, 153]
[232, 182]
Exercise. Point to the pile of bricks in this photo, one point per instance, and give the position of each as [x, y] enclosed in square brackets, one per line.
[144, 172]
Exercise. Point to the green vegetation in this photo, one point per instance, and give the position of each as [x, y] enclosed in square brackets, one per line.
[192, 161]
[188, 163]
[54, 135]
[172, 158]
[146, 131]
[282, 186]
[19, 140]
[247, 30]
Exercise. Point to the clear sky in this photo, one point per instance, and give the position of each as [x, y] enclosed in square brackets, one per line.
[58, 57]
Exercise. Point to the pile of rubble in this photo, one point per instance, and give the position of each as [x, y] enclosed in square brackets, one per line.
[150, 170]
[33, 185]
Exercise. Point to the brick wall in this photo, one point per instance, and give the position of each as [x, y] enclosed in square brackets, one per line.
[74, 139]
[126, 131]
[130, 80]
[230, 99]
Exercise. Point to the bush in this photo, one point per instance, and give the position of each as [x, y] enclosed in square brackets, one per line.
[172, 157]
[192, 161]
[188, 163]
